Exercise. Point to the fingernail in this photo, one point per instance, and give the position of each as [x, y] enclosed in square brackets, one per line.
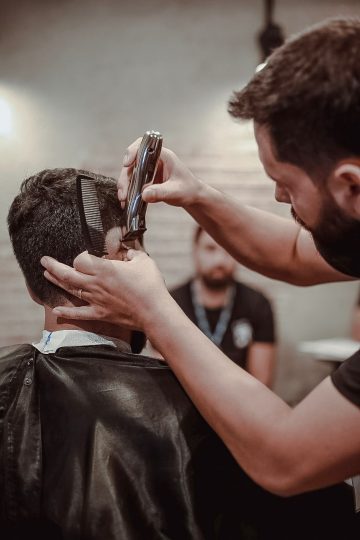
[126, 158]
[43, 261]
[56, 312]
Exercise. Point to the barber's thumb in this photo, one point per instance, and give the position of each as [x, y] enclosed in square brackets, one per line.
[85, 262]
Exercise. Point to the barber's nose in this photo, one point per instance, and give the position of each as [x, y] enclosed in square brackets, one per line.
[282, 195]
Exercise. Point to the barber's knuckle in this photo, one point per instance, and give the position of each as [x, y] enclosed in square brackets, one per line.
[96, 288]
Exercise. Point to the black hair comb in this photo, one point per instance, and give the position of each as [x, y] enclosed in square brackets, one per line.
[90, 216]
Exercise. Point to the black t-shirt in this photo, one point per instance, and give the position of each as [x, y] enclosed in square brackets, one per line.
[251, 320]
[347, 378]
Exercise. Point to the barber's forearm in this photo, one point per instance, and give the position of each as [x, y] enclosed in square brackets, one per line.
[261, 362]
[240, 409]
[266, 243]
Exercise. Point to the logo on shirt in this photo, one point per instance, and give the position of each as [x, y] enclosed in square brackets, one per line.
[242, 333]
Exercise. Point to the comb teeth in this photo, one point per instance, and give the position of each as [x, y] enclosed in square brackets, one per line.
[90, 216]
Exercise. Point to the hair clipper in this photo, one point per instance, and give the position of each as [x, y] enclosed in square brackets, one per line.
[143, 174]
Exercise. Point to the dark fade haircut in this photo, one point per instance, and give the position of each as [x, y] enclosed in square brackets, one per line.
[308, 96]
[44, 220]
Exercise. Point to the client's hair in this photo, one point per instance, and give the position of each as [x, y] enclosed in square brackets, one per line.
[44, 220]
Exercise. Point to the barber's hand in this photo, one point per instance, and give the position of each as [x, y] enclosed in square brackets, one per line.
[174, 183]
[121, 292]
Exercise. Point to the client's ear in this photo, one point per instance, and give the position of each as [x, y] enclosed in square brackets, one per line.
[137, 341]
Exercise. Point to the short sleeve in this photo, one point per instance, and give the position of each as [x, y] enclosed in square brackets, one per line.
[347, 379]
[264, 328]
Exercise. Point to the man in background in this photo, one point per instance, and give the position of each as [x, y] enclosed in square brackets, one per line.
[237, 318]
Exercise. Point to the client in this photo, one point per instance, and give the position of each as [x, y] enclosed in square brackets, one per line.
[96, 442]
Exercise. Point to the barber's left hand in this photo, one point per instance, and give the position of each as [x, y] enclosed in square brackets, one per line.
[121, 292]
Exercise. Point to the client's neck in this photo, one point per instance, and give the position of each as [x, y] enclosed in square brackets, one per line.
[53, 323]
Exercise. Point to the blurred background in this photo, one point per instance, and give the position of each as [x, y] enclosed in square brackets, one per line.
[81, 79]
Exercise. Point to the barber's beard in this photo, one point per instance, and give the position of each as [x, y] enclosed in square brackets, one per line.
[299, 220]
[337, 238]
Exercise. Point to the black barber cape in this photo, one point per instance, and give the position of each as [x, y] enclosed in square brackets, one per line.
[100, 444]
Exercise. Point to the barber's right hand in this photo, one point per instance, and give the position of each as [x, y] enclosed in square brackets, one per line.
[174, 183]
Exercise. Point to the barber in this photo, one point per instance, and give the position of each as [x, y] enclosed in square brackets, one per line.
[306, 112]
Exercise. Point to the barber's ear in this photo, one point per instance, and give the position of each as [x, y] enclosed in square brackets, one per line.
[345, 187]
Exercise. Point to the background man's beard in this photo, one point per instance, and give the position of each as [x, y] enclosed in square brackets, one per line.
[299, 220]
[217, 284]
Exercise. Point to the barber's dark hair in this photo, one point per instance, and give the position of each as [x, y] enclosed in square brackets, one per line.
[308, 96]
[44, 220]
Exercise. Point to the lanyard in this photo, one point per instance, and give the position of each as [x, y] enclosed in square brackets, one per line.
[223, 320]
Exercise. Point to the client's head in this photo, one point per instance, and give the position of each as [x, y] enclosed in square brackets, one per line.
[44, 220]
